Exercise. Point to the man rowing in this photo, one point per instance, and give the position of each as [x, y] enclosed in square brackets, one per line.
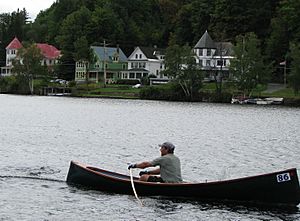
[169, 170]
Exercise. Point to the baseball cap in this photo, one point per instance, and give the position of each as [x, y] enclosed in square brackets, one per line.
[167, 145]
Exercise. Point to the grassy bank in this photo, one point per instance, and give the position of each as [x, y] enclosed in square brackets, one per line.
[127, 91]
[109, 91]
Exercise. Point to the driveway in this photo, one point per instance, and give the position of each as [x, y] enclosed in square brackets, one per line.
[272, 87]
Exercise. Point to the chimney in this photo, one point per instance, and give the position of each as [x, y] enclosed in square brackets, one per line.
[118, 49]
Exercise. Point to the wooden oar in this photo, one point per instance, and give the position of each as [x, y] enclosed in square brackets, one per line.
[133, 188]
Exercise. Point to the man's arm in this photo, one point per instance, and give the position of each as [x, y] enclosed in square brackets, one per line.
[148, 164]
[155, 171]
[143, 165]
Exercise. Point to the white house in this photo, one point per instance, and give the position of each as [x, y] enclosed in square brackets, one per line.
[213, 57]
[145, 61]
[11, 54]
[49, 52]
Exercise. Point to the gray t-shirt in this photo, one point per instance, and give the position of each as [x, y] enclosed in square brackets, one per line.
[170, 170]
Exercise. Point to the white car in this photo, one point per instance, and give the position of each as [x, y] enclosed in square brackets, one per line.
[136, 86]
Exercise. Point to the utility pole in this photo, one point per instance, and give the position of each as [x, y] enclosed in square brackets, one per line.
[104, 63]
[284, 74]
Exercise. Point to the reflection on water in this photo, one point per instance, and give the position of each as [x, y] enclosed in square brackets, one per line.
[40, 135]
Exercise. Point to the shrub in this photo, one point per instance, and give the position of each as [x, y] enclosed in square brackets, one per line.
[128, 81]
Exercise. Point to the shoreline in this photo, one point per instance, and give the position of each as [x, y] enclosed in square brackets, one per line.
[287, 102]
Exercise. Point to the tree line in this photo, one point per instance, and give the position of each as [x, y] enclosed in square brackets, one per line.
[275, 23]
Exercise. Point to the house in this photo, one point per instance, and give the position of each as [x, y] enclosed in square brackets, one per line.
[145, 61]
[213, 57]
[11, 53]
[109, 64]
[49, 52]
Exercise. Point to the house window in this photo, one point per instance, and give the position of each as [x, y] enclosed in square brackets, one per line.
[200, 51]
[93, 75]
[208, 53]
[124, 66]
[221, 62]
[115, 58]
[140, 56]
[131, 75]
[142, 65]
[201, 62]
[207, 62]
[144, 74]
[139, 75]
[136, 56]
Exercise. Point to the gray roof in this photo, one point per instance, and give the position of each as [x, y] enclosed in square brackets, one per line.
[152, 52]
[205, 42]
[225, 47]
[109, 53]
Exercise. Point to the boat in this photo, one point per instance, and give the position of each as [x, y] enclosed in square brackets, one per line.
[277, 188]
[259, 101]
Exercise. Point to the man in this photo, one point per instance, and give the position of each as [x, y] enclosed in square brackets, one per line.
[169, 166]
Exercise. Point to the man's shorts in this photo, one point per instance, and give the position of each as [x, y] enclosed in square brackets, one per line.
[155, 179]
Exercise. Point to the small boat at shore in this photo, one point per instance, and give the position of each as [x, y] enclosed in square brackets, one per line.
[278, 188]
[259, 101]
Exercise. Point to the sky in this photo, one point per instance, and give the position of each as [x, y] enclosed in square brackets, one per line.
[33, 7]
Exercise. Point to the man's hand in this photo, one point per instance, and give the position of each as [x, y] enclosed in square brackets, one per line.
[131, 166]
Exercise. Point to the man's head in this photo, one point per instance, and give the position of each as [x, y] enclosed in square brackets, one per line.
[166, 147]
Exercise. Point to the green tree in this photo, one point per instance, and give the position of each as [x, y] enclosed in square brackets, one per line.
[84, 54]
[248, 68]
[181, 67]
[294, 78]
[28, 65]
[192, 20]
[73, 27]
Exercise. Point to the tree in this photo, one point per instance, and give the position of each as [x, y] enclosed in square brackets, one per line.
[182, 68]
[294, 78]
[248, 68]
[84, 54]
[73, 27]
[28, 64]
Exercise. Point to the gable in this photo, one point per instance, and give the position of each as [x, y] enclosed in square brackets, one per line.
[14, 44]
[146, 52]
[109, 53]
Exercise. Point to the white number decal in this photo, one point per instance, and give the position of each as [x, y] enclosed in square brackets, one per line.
[283, 177]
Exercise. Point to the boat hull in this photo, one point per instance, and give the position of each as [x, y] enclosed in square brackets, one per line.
[264, 189]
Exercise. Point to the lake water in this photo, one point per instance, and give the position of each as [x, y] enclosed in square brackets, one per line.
[40, 135]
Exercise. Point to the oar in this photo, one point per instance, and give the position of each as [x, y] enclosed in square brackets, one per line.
[133, 188]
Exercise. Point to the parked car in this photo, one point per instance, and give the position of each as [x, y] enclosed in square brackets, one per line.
[60, 81]
[136, 86]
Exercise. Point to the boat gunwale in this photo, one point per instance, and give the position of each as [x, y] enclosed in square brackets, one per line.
[90, 169]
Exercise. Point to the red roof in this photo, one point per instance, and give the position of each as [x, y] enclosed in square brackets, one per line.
[49, 51]
[14, 44]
